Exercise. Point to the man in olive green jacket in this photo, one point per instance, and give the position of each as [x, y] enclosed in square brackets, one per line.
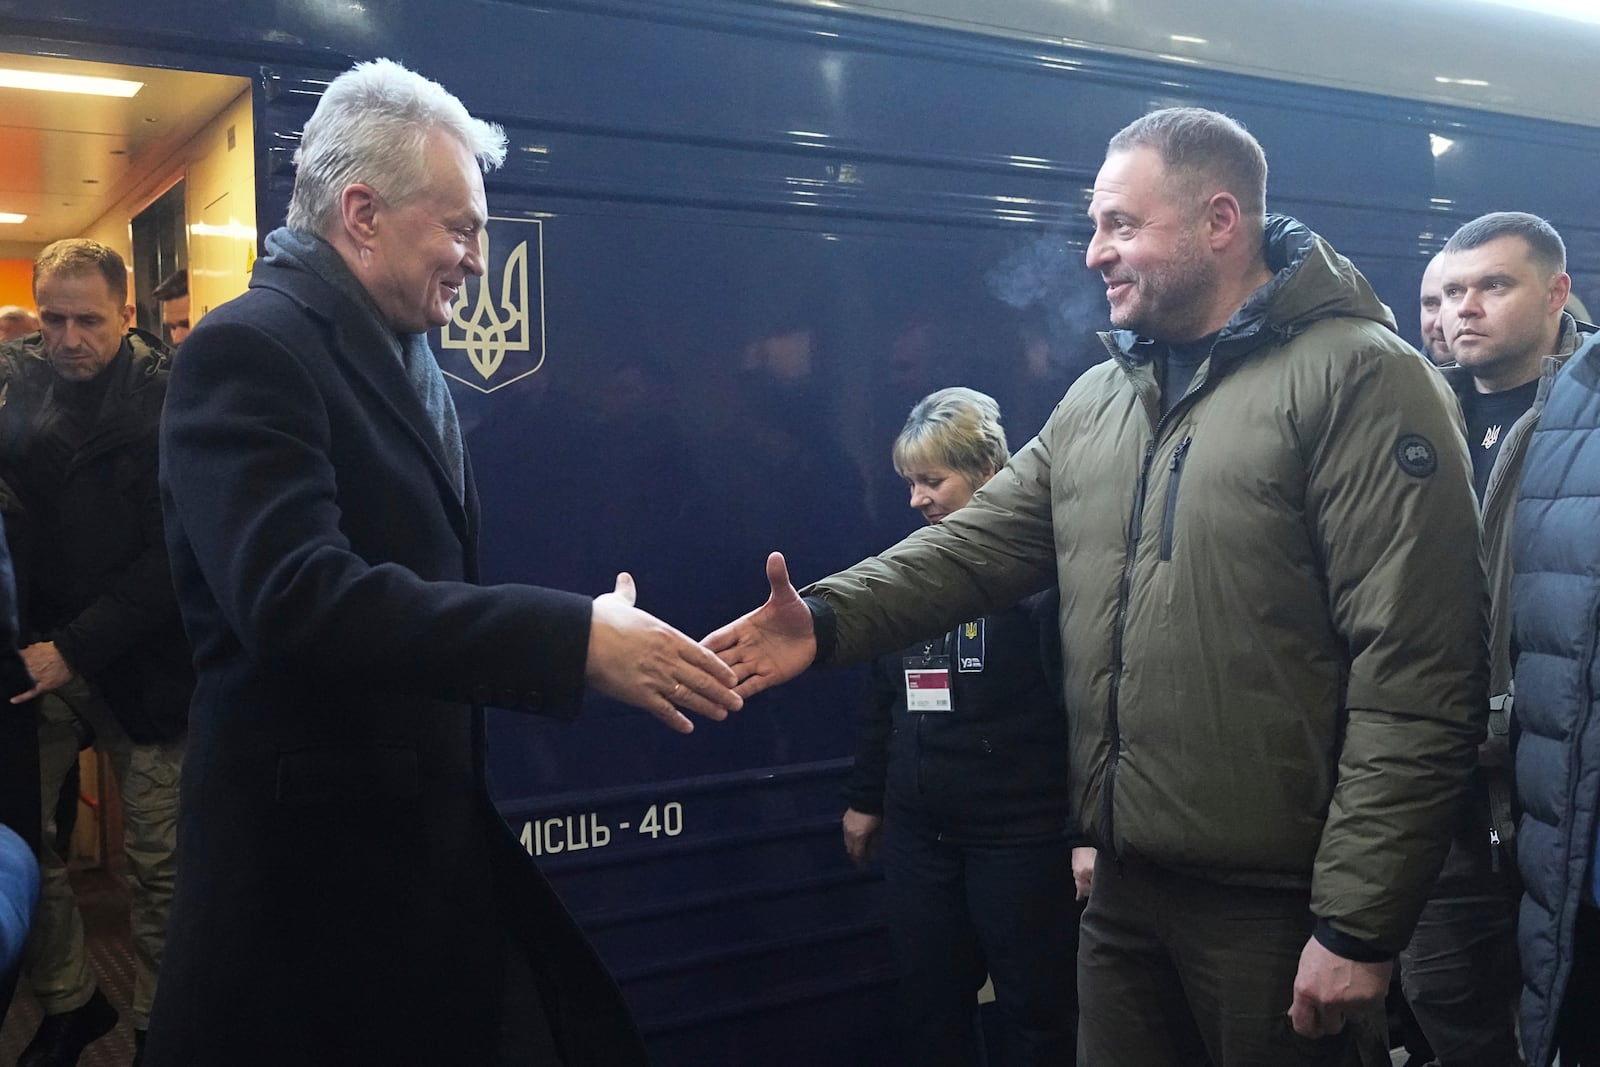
[1260, 514]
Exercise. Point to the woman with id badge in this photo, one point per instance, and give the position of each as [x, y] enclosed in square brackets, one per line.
[960, 787]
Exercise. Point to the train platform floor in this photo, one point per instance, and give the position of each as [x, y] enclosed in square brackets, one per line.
[103, 899]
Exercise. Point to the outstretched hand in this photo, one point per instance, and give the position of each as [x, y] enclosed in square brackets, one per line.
[636, 658]
[771, 644]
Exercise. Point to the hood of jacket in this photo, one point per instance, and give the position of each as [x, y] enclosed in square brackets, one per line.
[1310, 282]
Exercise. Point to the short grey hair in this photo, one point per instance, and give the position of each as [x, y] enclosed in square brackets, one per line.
[370, 127]
[1199, 147]
[1545, 246]
[77, 256]
[958, 428]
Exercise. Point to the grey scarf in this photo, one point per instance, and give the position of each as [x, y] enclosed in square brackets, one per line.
[297, 250]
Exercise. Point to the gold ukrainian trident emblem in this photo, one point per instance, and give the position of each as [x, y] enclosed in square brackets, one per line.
[485, 330]
[971, 631]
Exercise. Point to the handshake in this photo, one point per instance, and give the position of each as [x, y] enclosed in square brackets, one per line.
[636, 658]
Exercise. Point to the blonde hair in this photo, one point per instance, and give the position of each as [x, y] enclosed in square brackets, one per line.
[957, 428]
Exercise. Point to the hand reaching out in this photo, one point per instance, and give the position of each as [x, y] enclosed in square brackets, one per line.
[771, 644]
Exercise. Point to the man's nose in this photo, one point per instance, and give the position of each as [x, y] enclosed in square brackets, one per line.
[1098, 254]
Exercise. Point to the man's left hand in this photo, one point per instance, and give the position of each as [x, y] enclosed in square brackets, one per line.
[1329, 985]
[49, 670]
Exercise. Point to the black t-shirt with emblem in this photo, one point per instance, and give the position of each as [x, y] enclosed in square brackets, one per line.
[1489, 418]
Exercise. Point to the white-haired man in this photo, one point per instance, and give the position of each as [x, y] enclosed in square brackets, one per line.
[352, 896]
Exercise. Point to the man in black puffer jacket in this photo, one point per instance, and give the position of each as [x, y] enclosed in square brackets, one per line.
[80, 410]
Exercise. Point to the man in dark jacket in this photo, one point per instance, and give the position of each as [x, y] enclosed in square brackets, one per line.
[1273, 674]
[78, 432]
[1555, 602]
[350, 893]
[1502, 283]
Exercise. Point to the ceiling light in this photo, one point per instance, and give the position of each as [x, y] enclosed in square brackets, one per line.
[8, 216]
[1440, 145]
[1184, 38]
[67, 83]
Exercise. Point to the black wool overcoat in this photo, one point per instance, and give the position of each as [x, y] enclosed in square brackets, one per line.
[346, 889]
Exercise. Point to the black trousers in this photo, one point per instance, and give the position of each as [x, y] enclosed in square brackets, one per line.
[1460, 972]
[960, 911]
[1578, 1028]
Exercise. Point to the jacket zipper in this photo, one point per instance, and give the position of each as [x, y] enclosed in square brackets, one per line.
[1170, 520]
[1125, 591]
[1124, 594]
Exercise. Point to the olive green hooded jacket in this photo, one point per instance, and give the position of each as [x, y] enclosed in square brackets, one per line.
[1272, 598]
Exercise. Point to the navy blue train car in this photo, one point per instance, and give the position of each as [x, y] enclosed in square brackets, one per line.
[734, 241]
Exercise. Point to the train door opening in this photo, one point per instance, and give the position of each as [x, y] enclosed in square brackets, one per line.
[160, 253]
[156, 163]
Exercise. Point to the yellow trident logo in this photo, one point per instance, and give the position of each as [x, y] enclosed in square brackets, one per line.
[971, 631]
[489, 330]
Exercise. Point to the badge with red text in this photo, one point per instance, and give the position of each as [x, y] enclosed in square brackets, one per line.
[928, 684]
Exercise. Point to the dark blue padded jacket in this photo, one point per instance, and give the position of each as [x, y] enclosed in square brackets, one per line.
[1556, 638]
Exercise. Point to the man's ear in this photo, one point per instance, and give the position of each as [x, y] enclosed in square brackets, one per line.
[1224, 220]
[1560, 289]
[358, 211]
[127, 316]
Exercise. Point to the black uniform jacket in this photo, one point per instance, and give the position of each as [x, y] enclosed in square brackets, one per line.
[992, 770]
[346, 888]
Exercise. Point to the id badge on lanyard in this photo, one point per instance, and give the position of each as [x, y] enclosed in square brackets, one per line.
[928, 680]
[928, 676]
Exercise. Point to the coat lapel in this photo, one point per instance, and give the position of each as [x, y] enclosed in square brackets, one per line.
[371, 365]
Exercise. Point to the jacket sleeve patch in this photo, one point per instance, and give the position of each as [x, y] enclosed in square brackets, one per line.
[1416, 455]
